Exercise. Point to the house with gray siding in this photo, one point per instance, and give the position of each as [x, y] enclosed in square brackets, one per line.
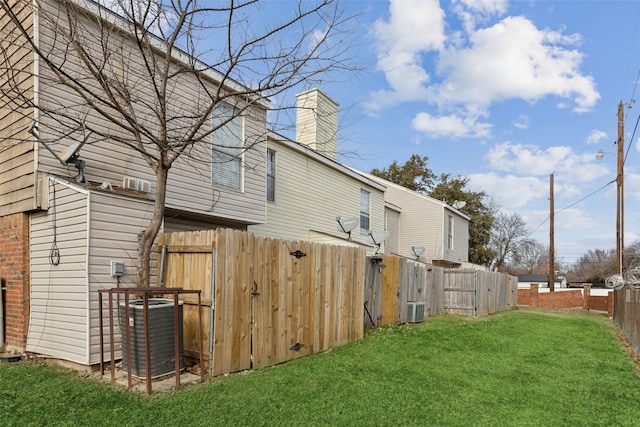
[71, 231]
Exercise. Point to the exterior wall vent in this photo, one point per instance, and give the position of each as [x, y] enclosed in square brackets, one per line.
[415, 311]
[144, 186]
[129, 183]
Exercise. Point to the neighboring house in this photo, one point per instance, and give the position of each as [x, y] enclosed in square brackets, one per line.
[418, 221]
[307, 189]
[542, 280]
[58, 237]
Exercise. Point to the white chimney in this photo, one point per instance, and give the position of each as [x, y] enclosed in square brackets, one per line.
[317, 122]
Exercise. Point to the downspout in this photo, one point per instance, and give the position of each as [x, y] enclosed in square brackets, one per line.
[88, 284]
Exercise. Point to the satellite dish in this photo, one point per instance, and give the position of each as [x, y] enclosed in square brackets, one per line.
[417, 251]
[346, 225]
[377, 237]
[459, 204]
[67, 155]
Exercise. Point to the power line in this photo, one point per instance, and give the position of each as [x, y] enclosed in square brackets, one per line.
[571, 205]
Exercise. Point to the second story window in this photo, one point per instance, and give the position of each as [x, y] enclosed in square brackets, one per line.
[365, 208]
[271, 175]
[450, 233]
[227, 142]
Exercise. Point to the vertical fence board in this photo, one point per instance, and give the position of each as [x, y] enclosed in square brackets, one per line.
[372, 295]
[390, 290]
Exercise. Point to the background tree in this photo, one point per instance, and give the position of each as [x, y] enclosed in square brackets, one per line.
[415, 175]
[124, 73]
[595, 266]
[530, 255]
[508, 235]
[412, 174]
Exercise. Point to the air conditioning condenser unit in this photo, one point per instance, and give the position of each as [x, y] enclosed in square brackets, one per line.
[415, 311]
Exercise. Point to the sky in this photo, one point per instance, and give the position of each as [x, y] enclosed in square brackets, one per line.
[504, 94]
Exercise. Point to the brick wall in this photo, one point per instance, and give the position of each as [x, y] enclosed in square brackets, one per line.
[14, 273]
[574, 298]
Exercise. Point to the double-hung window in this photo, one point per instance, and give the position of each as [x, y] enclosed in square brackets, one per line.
[227, 147]
[365, 209]
[271, 175]
[450, 233]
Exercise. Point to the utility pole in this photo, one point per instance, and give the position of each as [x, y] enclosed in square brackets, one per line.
[620, 194]
[552, 279]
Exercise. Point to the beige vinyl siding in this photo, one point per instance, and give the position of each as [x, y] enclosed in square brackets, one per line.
[392, 221]
[58, 313]
[190, 187]
[460, 251]
[310, 192]
[93, 228]
[17, 167]
[420, 222]
[115, 222]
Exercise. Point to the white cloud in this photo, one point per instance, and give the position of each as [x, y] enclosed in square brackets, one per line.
[522, 122]
[510, 191]
[475, 68]
[524, 159]
[515, 60]
[596, 136]
[414, 27]
[472, 12]
[450, 126]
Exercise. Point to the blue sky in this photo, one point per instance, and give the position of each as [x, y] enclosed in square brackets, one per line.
[503, 93]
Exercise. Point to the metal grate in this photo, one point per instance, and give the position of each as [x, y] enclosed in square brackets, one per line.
[415, 311]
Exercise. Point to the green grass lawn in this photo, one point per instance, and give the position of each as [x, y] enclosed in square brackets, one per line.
[521, 368]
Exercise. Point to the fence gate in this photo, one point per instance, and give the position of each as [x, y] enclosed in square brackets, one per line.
[270, 300]
[460, 292]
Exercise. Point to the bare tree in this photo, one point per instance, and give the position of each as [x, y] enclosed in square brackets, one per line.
[595, 266]
[531, 255]
[509, 232]
[119, 66]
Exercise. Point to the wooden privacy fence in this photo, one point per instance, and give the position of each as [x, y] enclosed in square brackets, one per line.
[392, 282]
[626, 313]
[478, 293]
[268, 300]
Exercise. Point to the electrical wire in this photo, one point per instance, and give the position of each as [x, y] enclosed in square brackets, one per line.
[571, 205]
[54, 253]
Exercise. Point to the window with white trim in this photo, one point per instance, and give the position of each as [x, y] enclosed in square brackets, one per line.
[271, 175]
[365, 209]
[450, 233]
[227, 147]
